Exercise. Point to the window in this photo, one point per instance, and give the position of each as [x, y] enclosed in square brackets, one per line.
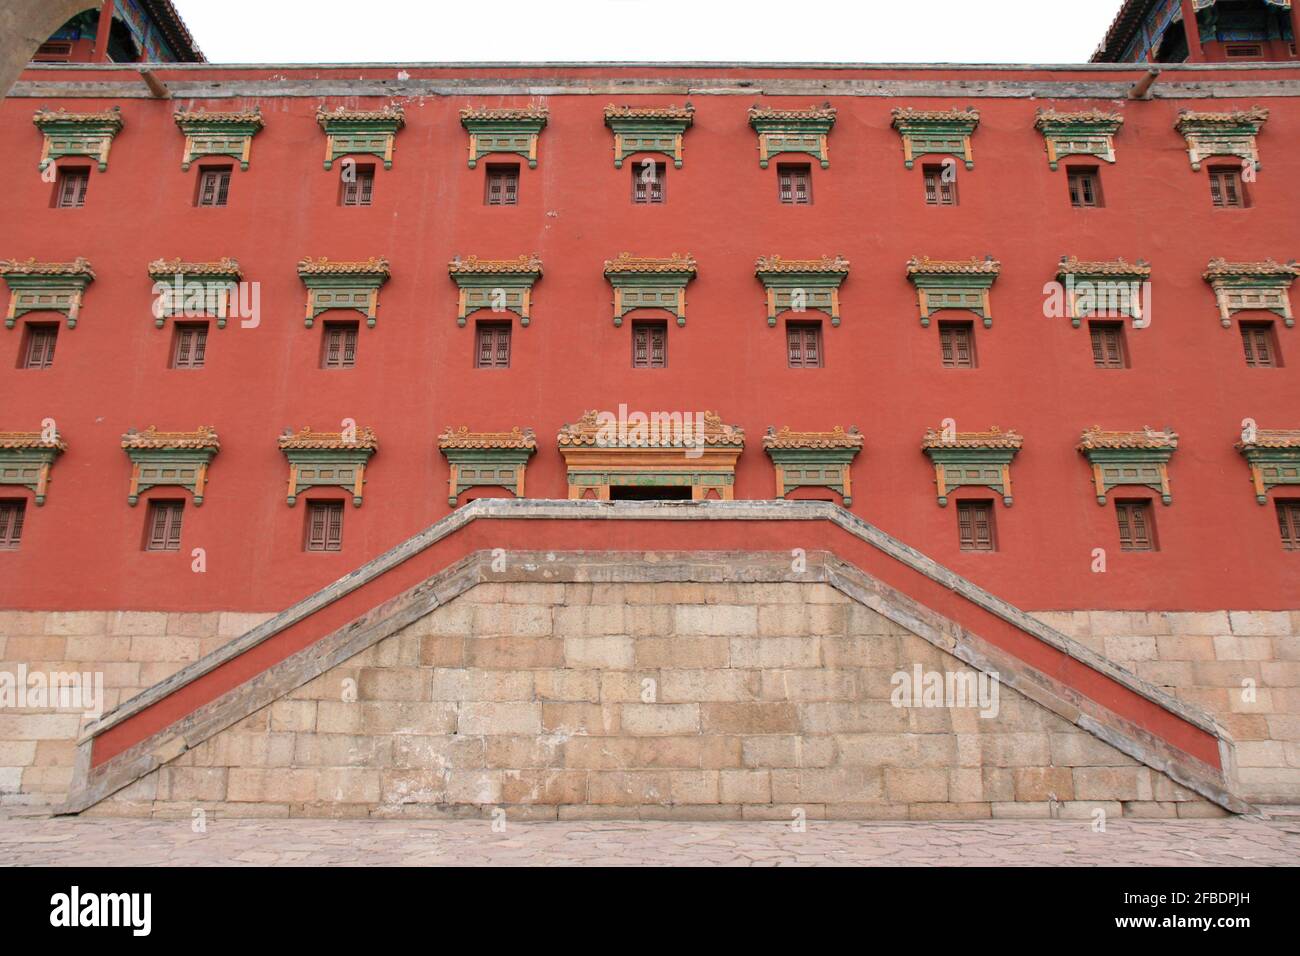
[38, 350]
[214, 186]
[794, 182]
[1257, 339]
[12, 513]
[940, 190]
[804, 341]
[163, 526]
[648, 179]
[53, 51]
[1137, 529]
[975, 526]
[1226, 188]
[1085, 186]
[502, 184]
[649, 344]
[191, 344]
[1288, 522]
[358, 185]
[1107, 344]
[324, 526]
[957, 344]
[1243, 51]
[493, 345]
[71, 186]
[339, 345]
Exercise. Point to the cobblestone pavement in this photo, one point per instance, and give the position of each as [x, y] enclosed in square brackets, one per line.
[126, 842]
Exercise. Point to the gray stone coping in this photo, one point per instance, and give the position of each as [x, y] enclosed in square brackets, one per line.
[550, 509]
[388, 618]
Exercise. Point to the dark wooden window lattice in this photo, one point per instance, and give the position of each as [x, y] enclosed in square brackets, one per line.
[73, 184]
[938, 190]
[1136, 529]
[1226, 189]
[1085, 187]
[214, 186]
[191, 346]
[975, 525]
[11, 524]
[360, 190]
[1257, 340]
[804, 344]
[957, 344]
[340, 347]
[648, 183]
[794, 184]
[40, 346]
[1288, 522]
[324, 526]
[502, 185]
[164, 526]
[493, 346]
[649, 345]
[1107, 344]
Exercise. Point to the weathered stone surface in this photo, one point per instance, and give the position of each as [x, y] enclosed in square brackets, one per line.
[661, 700]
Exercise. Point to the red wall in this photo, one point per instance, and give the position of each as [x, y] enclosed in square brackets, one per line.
[414, 372]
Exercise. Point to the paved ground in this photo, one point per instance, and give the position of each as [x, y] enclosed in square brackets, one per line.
[82, 842]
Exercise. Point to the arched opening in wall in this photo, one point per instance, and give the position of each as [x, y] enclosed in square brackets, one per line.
[1172, 47]
[649, 493]
[813, 493]
[486, 491]
[71, 42]
[121, 45]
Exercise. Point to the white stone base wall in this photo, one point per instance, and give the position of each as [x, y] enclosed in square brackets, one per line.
[1241, 666]
[764, 700]
[133, 650]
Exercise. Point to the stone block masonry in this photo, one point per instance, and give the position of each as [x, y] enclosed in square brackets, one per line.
[651, 701]
[1241, 666]
[657, 700]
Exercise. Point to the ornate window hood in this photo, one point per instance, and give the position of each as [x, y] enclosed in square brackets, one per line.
[1274, 460]
[641, 283]
[504, 131]
[1129, 458]
[328, 460]
[1083, 133]
[599, 455]
[45, 287]
[355, 132]
[802, 284]
[793, 131]
[972, 459]
[1105, 286]
[343, 285]
[954, 284]
[502, 285]
[814, 459]
[170, 458]
[486, 459]
[649, 129]
[937, 132]
[218, 134]
[26, 459]
[77, 134]
[1242, 286]
[208, 286]
[1221, 134]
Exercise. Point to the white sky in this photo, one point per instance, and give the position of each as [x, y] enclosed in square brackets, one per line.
[875, 31]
